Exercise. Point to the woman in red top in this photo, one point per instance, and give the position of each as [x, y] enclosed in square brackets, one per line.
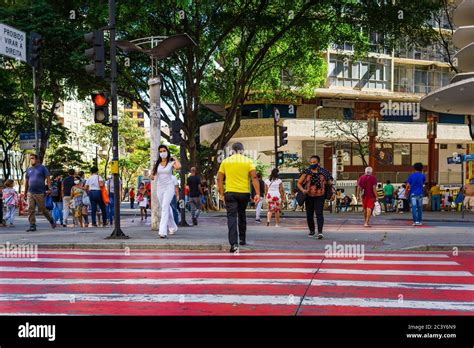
[132, 197]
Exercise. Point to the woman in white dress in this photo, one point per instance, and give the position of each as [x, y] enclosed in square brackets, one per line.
[163, 170]
[274, 194]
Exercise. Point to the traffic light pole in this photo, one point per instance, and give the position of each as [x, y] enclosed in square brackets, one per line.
[275, 130]
[117, 233]
[35, 110]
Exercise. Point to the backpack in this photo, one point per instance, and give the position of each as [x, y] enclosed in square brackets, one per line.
[54, 189]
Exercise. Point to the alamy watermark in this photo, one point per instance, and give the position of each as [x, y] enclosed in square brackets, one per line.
[227, 152]
[336, 250]
[21, 251]
[397, 109]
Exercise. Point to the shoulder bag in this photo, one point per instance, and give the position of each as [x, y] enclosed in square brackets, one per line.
[103, 191]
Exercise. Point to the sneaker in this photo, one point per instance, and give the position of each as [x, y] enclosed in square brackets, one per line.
[320, 236]
[276, 225]
[31, 229]
[163, 237]
[94, 225]
[64, 225]
[242, 242]
[419, 224]
[311, 234]
[234, 248]
[195, 222]
[258, 221]
[173, 231]
[53, 225]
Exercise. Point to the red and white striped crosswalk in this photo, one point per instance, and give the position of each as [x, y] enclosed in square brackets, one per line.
[147, 282]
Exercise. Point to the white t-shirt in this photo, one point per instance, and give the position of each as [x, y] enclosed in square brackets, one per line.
[165, 176]
[402, 193]
[175, 181]
[273, 187]
[93, 182]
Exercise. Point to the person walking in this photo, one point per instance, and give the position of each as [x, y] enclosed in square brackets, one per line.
[66, 187]
[195, 192]
[315, 180]
[10, 200]
[367, 183]
[236, 170]
[36, 175]
[93, 185]
[163, 170]
[416, 182]
[274, 195]
[381, 195]
[131, 194]
[175, 200]
[85, 200]
[56, 195]
[469, 195]
[142, 200]
[402, 195]
[258, 208]
[435, 197]
[388, 196]
[77, 194]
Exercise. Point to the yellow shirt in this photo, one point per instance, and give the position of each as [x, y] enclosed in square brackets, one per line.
[236, 169]
[435, 190]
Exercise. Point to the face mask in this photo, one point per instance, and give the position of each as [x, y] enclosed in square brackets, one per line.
[314, 166]
[163, 154]
[76, 182]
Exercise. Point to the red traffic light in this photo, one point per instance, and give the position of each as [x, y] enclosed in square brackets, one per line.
[99, 99]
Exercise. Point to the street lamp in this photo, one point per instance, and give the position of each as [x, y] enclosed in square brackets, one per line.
[315, 115]
[431, 133]
[372, 132]
[161, 47]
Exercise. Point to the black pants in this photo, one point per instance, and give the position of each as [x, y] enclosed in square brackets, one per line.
[236, 203]
[1, 211]
[315, 204]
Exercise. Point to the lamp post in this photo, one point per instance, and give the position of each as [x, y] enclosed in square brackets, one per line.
[161, 47]
[372, 132]
[431, 133]
[315, 115]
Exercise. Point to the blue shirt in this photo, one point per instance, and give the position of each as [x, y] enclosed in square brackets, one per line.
[416, 182]
[36, 177]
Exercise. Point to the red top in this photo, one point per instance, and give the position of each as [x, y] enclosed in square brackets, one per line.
[367, 182]
[132, 194]
[186, 190]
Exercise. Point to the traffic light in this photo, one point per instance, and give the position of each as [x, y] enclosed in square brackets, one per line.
[34, 49]
[175, 132]
[280, 158]
[101, 107]
[283, 136]
[96, 53]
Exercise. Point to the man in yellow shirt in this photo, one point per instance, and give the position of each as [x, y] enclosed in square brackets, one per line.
[435, 197]
[236, 170]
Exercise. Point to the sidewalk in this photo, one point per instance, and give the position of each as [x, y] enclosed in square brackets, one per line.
[388, 233]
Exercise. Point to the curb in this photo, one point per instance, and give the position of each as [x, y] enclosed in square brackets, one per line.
[131, 246]
[440, 247]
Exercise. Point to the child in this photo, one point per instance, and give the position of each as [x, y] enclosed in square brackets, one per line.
[77, 192]
[10, 199]
[143, 203]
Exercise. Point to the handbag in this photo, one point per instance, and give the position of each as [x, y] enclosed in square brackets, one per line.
[300, 198]
[48, 203]
[103, 190]
[85, 199]
[328, 191]
[377, 209]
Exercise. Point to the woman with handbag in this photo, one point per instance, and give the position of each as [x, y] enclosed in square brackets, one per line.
[163, 170]
[315, 185]
[274, 195]
[95, 187]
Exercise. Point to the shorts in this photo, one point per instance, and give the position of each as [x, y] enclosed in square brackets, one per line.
[368, 202]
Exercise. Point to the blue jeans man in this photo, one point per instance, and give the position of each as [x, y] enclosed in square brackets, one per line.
[417, 208]
[436, 202]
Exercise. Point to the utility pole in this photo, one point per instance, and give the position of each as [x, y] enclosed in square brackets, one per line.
[276, 118]
[35, 110]
[154, 84]
[117, 233]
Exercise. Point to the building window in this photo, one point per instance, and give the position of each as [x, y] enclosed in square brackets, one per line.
[419, 153]
[384, 153]
[401, 154]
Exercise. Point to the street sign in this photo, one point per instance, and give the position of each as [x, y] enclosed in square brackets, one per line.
[276, 112]
[12, 42]
[455, 160]
[27, 140]
[469, 158]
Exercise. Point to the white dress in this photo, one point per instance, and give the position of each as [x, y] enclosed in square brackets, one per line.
[166, 191]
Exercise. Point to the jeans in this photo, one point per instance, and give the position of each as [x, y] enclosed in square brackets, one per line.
[235, 204]
[58, 212]
[315, 205]
[195, 203]
[132, 202]
[406, 206]
[110, 208]
[96, 199]
[33, 200]
[436, 202]
[417, 207]
[10, 217]
[174, 203]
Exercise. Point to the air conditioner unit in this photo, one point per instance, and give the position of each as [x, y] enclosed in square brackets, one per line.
[340, 168]
[340, 161]
[339, 152]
